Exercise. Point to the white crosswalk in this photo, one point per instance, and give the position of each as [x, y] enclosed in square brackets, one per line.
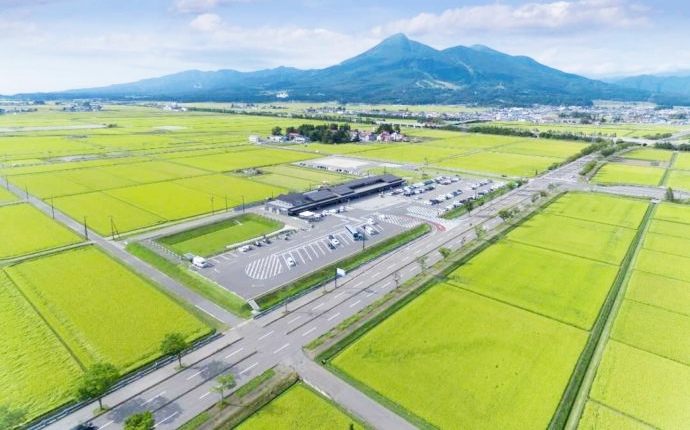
[423, 211]
[402, 221]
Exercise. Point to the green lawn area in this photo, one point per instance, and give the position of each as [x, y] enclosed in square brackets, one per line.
[25, 230]
[452, 356]
[299, 407]
[100, 309]
[38, 373]
[616, 173]
[213, 238]
[645, 386]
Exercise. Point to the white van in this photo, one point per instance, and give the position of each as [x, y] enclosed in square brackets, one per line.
[200, 262]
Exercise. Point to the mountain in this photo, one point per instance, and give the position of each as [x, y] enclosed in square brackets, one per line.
[676, 85]
[398, 70]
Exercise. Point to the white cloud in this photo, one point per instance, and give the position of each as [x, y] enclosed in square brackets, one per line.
[558, 16]
[199, 6]
[206, 22]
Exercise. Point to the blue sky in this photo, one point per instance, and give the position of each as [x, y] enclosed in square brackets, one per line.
[50, 45]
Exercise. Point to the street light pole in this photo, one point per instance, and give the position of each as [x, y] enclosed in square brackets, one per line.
[396, 278]
[86, 231]
[243, 204]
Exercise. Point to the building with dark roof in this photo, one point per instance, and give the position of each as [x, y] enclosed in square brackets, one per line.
[296, 203]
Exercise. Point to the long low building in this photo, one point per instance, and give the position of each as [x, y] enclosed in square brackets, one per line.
[296, 203]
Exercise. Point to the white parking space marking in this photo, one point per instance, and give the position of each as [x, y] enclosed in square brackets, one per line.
[333, 316]
[234, 352]
[264, 268]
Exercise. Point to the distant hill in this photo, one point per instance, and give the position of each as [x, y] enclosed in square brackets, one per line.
[672, 85]
[398, 70]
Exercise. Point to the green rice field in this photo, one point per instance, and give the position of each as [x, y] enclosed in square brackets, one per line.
[6, 196]
[43, 373]
[616, 173]
[299, 407]
[213, 238]
[645, 370]
[25, 230]
[514, 317]
[452, 357]
[649, 154]
[127, 334]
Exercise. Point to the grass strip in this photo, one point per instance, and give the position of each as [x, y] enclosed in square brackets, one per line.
[182, 274]
[667, 173]
[570, 395]
[326, 273]
[254, 383]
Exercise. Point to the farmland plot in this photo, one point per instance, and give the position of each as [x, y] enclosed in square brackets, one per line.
[452, 357]
[517, 165]
[616, 173]
[127, 334]
[43, 373]
[26, 230]
[299, 408]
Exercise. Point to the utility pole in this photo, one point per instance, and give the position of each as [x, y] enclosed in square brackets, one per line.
[242, 203]
[226, 203]
[52, 208]
[86, 231]
[396, 278]
[212, 208]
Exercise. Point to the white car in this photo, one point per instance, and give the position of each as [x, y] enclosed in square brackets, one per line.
[290, 261]
[334, 241]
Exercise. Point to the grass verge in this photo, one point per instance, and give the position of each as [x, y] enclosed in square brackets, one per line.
[454, 213]
[326, 273]
[203, 287]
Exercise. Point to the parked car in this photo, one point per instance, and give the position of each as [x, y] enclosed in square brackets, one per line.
[290, 261]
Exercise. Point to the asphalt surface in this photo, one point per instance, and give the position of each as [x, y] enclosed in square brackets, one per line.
[251, 347]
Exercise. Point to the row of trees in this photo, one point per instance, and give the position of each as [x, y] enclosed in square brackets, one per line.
[325, 133]
[100, 377]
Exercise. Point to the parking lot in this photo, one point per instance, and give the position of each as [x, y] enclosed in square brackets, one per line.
[314, 244]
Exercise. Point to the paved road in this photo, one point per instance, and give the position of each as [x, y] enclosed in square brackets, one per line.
[116, 249]
[251, 347]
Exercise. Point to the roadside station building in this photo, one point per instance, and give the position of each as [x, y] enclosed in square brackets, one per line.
[295, 203]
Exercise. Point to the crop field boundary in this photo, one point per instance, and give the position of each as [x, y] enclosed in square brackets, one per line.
[13, 260]
[328, 346]
[576, 393]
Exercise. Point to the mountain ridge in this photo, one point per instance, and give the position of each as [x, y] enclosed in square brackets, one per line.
[397, 70]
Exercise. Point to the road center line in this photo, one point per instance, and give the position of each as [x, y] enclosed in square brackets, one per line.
[318, 306]
[234, 352]
[333, 316]
[376, 275]
[166, 418]
[266, 335]
[355, 303]
[281, 348]
[383, 286]
[204, 395]
[106, 425]
[370, 294]
[308, 331]
[294, 319]
[192, 376]
[391, 266]
[249, 368]
[339, 294]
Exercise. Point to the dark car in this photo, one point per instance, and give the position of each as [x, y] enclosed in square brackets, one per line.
[85, 426]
